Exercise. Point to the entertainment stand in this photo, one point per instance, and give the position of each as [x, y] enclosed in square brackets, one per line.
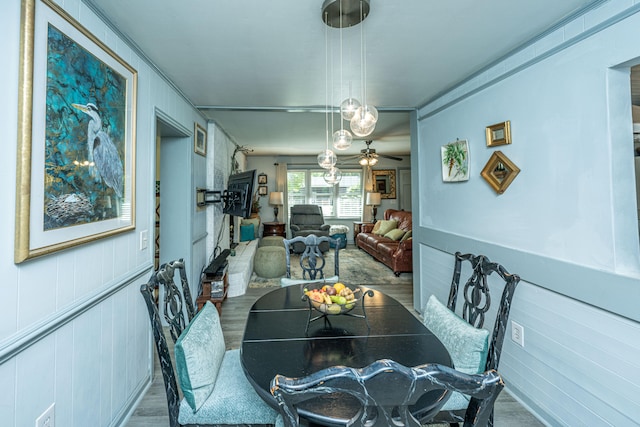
[215, 282]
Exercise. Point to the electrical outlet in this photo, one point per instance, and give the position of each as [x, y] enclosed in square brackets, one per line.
[48, 417]
[517, 333]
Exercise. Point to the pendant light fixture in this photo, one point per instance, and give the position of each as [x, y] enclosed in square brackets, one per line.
[365, 118]
[342, 138]
[349, 106]
[332, 176]
[347, 13]
[326, 159]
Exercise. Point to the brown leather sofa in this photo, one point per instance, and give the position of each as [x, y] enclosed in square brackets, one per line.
[397, 255]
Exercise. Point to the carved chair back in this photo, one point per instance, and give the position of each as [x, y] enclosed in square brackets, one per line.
[175, 300]
[166, 365]
[386, 390]
[477, 299]
[312, 260]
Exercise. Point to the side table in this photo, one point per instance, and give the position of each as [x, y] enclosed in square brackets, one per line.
[214, 288]
[358, 227]
[274, 229]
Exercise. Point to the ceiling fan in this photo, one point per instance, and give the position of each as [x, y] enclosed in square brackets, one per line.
[368, 156]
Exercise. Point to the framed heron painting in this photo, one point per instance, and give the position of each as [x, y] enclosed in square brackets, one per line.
[76, 136]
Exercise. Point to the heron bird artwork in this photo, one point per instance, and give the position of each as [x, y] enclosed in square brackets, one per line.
[102, 151]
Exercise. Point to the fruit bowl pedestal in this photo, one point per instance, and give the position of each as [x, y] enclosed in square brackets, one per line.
[326, 310]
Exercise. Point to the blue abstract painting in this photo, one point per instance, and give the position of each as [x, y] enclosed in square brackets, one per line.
[85, 136]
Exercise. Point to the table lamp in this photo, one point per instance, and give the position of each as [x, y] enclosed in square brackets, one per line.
[276, 198]
[373, 200]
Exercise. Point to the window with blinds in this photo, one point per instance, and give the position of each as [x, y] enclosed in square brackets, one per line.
[343, 200]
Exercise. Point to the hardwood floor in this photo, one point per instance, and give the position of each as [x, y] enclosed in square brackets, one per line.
[152, 410]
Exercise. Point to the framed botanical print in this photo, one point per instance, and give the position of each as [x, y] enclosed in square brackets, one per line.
[455, 161]
[76, 136]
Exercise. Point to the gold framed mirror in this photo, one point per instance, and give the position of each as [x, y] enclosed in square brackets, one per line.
[498, 134]
[499, 172]
[384, 182]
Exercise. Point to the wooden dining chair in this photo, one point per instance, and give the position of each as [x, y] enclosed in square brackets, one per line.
[385, 390]
[312, 260]
[215, 388]
[473, 348]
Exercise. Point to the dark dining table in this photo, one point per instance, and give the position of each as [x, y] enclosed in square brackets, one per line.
[278, 340]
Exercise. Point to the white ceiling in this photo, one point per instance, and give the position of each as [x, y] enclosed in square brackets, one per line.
[247, 63]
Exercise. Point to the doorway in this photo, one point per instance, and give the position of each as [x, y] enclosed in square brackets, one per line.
[635, 112]
[404, 189]
[172, 224]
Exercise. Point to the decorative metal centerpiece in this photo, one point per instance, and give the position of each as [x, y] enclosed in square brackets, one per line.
[334, 299]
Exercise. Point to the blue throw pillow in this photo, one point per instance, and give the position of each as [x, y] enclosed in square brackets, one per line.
[467, 345]
[199, 352]
[246, 233]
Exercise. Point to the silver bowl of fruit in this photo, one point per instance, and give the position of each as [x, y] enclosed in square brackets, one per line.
[332, 298]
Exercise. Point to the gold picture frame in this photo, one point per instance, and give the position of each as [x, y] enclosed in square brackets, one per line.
[499, 172]
[200, 140]
[384, 182]
[498, 134]
[75, 172]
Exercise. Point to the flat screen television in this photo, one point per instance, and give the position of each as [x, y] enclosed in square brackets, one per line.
[238, 196]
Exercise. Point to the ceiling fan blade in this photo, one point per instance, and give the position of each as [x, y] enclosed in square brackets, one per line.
[347, 158]
[390, 157]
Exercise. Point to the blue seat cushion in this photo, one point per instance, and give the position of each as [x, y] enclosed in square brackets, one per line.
[233, 400]
[199, 351]
[467, 345]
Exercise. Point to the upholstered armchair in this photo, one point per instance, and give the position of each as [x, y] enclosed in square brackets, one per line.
[305, 220]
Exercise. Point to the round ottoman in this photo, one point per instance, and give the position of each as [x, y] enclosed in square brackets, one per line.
[270, 262]
[271, 241]
[339, 232]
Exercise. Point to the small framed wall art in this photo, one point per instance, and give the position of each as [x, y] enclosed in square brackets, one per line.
[262, 190]
[499, 172]
[498, 134]
[262, 179]
[455, 161]
[200, 140]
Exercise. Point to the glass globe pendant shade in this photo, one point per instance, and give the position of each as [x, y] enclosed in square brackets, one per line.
[332, 176]
[363, 122]
[342, 139]
[327, 159]
[348, 108]
[370, 109]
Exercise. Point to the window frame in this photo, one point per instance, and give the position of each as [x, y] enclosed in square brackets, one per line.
[334, 200]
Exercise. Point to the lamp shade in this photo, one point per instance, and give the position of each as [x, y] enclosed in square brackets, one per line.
[276, 198]
[373, 199]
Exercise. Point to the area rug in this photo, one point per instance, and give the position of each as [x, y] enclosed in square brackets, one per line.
[356, 267]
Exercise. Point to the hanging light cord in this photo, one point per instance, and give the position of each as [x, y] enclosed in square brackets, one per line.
[362, 61]
[341, 96]
[332, 85]
[326, 82]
